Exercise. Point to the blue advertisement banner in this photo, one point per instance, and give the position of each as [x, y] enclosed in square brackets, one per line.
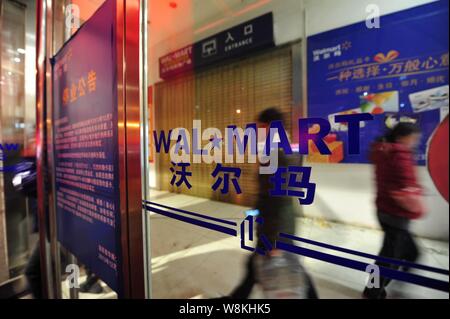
[86, 146]
[397, 72]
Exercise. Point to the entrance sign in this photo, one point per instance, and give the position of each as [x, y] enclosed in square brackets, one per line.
[247, 37]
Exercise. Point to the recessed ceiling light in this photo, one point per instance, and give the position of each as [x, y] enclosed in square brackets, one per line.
[17, 60]
[21, 51]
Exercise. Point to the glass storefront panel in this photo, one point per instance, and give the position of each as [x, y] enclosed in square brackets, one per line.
[230, 64]
[194, 211]
[225, 81]
[17, 126]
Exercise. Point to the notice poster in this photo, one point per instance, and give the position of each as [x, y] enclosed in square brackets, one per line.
[398, 72]
[85, 127]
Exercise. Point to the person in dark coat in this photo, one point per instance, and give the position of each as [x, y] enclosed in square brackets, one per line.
[277, 212]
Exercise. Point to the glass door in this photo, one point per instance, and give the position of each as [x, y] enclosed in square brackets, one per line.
[17, 125]
[230, 187]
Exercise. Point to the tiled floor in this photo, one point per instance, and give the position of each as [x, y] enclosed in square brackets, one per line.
[188, 261]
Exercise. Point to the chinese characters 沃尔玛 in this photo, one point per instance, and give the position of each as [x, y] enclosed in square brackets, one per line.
[259, 144]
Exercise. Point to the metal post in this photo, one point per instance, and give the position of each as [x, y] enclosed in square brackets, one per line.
[41, 22]
[49, 247]
[54, 244]
[144, 143]
[129, 110]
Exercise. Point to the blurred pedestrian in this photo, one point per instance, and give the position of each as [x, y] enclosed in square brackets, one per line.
[279, 273]
[399, 197]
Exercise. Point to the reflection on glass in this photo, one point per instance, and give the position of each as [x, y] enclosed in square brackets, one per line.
[195, 209]
[14, 214]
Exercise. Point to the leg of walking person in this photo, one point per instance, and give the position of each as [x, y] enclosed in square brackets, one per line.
[33, 273]
[412, 252]
[244, 289]
[389, 249]
[312, 292]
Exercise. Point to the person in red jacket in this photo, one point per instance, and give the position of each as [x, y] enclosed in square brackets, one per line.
[398, 197]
